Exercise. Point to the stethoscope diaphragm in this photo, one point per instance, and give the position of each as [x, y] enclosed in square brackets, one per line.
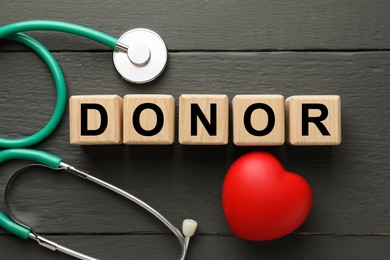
[141, 56]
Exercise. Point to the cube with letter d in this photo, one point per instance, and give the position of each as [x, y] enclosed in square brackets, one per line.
[95, 119]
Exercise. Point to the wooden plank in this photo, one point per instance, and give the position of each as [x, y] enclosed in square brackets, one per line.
[218, 25]
[204, 247]
[350, 182]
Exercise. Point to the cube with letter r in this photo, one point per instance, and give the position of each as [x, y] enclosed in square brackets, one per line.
[314, 120]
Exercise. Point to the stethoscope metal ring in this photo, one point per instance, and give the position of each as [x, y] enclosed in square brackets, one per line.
[141, 56]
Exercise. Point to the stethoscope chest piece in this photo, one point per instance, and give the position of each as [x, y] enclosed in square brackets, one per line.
[140, 56]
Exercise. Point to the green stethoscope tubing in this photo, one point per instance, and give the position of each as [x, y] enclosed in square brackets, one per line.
[15, 146]
[14, 228]
[31, 155]
[14, 32]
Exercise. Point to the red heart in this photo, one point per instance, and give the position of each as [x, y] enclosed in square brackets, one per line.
[263, 201]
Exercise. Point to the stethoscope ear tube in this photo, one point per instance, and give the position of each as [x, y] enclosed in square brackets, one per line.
[14, 32]
[13, 227]
[60, 87]
[59, 26]
[31, 155]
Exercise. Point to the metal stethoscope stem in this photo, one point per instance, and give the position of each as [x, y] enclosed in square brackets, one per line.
[189, 225]
[182, 240]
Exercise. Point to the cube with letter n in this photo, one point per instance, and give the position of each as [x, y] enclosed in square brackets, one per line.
[96, 119]
[203, 119]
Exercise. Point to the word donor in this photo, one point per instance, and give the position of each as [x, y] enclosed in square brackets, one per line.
[258, 120]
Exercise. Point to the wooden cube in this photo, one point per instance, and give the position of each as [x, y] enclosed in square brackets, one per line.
[313, 120]
[258, 120]
[96, 119]
[148, 119]
[204, 119]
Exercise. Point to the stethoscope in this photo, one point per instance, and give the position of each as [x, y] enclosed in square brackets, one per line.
[140, 56]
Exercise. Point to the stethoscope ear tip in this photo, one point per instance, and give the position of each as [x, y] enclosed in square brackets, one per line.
[189, 227]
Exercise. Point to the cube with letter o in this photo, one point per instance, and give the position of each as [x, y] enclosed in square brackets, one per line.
[149, 119]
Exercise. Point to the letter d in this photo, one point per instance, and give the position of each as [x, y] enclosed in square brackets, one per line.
[84, 119]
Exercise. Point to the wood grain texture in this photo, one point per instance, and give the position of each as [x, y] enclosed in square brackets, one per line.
[122, 247]
[214, 109]
[148, 119]
[350, 182]
[324, 127]
[259, 120]
[219, 24]
[112, 111]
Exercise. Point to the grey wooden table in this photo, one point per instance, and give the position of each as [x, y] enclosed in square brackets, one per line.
[226, 47]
